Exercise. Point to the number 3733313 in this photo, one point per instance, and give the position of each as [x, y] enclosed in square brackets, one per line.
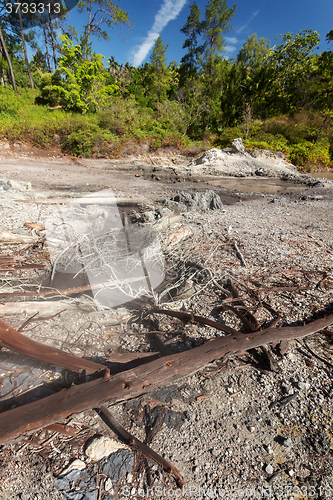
[33, 8]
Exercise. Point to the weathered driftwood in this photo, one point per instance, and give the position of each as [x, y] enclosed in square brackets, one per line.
[8, 237]
[15, 341]
[19, 267]
[100, 200]
[142, 379]
[49, 307]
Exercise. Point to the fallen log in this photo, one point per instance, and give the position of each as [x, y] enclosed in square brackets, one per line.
[141, 380]
[15, 341]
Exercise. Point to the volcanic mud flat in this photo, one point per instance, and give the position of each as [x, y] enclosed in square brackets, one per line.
[241, 424]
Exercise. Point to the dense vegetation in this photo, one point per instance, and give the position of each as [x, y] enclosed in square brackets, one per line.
[277, 97]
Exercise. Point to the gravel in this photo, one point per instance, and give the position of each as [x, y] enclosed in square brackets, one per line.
[218, 426]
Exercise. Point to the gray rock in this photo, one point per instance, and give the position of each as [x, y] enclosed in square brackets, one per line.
[117, 465]
[19, 230]
[262, 172]
[237, 146]
[186, 202]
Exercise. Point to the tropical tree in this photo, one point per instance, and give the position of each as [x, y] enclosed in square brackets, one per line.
[102, 13]
[78, 84]
[25, 47]
[159, 77]
[254, 52]
[192, 29]
[292, 64]
[216, 23]
[329, 36]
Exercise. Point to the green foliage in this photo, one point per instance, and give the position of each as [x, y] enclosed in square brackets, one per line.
[158, 77]
[192, 29]
[79, 84]
[215, 24]
[9, 104]
[87, 137]
[279, 98]
[102, 12]
[226, 137]
[254, 52]
[329, 36]
[309, 155]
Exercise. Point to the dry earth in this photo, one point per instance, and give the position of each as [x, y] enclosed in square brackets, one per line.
[236, 429]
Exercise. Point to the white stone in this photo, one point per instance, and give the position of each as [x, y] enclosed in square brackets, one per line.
[102, 446]
[75, 465]
[269, 469]
[108, 484]
[303, 386]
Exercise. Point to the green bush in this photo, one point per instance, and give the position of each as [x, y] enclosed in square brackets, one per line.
[307, 154]
[252, 144]
[11, 102]
[225, 139]
[330, 150]
[176, 141]
[86, 139]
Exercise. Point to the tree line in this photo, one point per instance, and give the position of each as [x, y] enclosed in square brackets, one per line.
[204, 92]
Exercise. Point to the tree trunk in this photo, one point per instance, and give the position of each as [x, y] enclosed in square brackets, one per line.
[4, 76]
[25, 50]
[2, 41]
[52, 40]
[46, 46]
[88, 29]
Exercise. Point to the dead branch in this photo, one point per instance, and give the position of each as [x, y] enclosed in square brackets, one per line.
[189, 317]
[142, 379]
[17, 267]
[35, 307]
[15, 341]
[86, 201]
[8, 237]
[270, 290]
[131, 440]
[239, 254]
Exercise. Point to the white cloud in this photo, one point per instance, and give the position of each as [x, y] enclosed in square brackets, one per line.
[229, 49]
[231, 39]
[168, 12]
[248, 22]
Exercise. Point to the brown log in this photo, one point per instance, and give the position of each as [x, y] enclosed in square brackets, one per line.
[15, 341]
[140, 380]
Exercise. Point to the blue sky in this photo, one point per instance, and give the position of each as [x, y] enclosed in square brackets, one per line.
[267, 18]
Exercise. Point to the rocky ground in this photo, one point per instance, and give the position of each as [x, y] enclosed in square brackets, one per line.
[240, 427]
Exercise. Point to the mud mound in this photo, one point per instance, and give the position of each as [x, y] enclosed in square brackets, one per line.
[235, 162]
